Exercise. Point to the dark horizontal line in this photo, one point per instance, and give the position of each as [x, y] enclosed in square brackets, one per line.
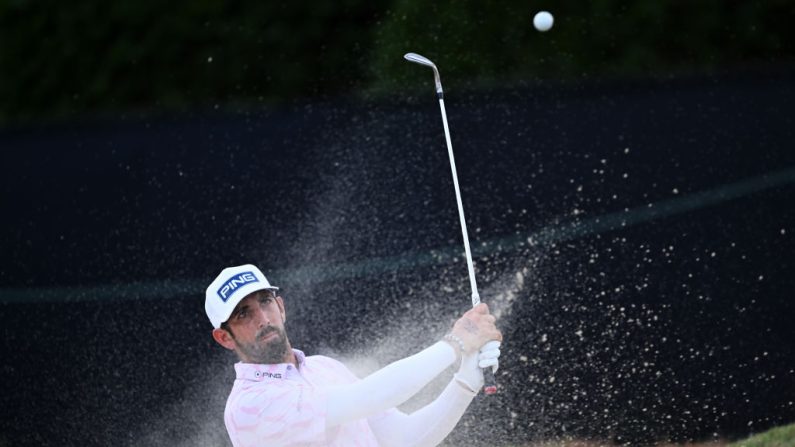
[573, 229]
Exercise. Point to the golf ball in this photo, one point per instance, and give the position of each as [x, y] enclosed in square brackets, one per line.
[543, 21]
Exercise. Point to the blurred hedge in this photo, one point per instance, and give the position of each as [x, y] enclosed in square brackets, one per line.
[66, 59]
[486, 41]
[61, 58]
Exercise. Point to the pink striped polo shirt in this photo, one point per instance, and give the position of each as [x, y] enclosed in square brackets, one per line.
[279, 405]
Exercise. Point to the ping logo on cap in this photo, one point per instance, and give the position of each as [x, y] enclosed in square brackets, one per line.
[232, 284]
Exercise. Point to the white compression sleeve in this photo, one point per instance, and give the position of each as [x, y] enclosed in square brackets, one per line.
[427, 426]
[389, 386]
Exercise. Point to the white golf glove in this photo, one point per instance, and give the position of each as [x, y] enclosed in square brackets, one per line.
[470, 374]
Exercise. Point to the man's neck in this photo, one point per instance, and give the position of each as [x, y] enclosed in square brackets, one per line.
[289, 357]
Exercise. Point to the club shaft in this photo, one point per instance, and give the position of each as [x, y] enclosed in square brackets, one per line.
[472, 282]
[490, 383]
[490, 386]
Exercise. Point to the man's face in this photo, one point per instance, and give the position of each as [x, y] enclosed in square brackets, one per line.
[255, 330]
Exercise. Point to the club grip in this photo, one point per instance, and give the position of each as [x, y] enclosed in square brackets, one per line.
[489, 381]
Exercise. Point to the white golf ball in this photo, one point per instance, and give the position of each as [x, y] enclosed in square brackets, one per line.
[543, 21]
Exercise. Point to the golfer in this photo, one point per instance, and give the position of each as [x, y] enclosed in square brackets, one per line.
[282, 397]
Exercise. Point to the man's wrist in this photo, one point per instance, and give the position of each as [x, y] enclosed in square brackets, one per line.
[465, 385]
[457, 344]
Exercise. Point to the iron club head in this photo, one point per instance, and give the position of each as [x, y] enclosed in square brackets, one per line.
[417, 59]
[422, 60]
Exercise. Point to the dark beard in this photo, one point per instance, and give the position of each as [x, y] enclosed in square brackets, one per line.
[269, 352]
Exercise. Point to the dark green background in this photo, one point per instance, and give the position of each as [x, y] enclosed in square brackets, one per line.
[73, 59]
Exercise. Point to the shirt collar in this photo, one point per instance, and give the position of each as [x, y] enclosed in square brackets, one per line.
[259, 371]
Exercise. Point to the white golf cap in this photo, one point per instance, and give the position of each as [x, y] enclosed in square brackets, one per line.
[229, 288]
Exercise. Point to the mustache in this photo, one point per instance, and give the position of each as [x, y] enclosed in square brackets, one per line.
[267, 331]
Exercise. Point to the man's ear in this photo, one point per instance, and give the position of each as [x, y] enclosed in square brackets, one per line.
[224, 338]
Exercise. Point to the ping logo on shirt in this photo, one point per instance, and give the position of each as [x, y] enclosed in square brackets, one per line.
[232, 284]
[259, 374]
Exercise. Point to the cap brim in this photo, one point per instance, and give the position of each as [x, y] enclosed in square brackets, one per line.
[242, 293]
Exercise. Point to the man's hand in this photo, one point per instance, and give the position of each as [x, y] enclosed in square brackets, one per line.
[476, 328]
[470, 374]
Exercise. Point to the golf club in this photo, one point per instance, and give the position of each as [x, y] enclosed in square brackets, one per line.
[490, 386]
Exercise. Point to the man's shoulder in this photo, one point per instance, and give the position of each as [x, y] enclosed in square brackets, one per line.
[331, 368]
[323, 360]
